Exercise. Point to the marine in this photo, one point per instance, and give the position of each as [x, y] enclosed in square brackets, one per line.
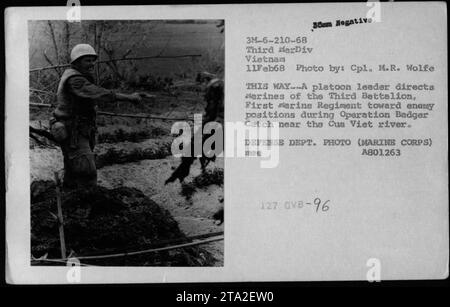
[73, 124]
[214, 112]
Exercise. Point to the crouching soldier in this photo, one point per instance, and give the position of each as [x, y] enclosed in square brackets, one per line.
[214, 112]
[74, 121]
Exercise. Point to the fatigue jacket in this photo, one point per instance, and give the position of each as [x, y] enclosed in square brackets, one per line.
[77, 99]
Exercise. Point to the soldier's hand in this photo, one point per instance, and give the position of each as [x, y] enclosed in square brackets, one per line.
[136, 97]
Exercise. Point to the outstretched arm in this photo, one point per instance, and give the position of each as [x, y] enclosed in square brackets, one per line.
[83, 88]
[135, 97]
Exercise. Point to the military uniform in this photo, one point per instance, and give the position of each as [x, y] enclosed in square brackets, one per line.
[214, 97]
[77, 97]
[214, 112]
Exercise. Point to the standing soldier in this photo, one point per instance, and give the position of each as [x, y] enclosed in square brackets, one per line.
[214, 96]
[74, 122]
[214, 109]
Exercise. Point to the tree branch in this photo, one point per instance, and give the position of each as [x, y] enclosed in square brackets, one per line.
[125, 59]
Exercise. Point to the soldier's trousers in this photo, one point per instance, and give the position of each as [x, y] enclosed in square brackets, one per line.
[203, 159]
[79, 163]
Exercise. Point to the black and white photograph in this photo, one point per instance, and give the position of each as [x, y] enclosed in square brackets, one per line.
[226, 143]
[106, 189]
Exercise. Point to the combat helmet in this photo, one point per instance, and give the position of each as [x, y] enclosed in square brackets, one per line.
[81, 50]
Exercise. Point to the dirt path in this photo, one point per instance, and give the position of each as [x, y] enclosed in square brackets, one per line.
[194, 215]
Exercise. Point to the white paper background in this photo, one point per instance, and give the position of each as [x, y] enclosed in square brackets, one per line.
[393, 209]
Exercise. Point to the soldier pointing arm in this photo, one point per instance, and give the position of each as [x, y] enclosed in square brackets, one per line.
[74, 122]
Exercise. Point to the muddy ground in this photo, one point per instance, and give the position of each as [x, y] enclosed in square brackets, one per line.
[135, 153]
